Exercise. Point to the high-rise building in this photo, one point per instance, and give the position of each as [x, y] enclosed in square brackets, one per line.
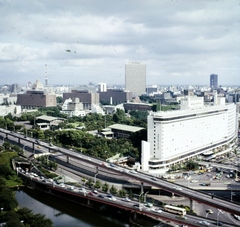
[177, 136]
[214, 81]
[102, 87]
[135, 78]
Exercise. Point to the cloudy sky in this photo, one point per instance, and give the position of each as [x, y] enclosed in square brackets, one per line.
[181, 42]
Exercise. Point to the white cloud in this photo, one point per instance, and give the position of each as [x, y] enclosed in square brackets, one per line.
[178, 40]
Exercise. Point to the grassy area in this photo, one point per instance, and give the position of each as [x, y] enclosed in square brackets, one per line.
[5, 158]
[12, 180]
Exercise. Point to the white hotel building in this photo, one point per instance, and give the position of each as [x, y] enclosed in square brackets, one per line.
[176, 136]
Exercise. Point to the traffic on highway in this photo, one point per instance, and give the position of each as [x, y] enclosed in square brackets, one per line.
[70, 156]
[166, 213]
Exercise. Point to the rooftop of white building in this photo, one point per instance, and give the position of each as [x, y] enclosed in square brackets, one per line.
[175, 113]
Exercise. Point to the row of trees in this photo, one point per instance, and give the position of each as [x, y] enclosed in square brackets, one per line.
[11, 214]
[82, 141]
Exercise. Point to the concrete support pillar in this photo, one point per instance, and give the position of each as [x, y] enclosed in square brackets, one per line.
[19, 140]
[134, 216]
[191, 204]
[88, 202]
[141, 187]
[67, 159]
[173, 196]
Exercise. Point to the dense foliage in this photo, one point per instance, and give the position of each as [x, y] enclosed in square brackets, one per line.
[11, 214]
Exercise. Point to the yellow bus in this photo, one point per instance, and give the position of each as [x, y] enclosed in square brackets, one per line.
[175, 210]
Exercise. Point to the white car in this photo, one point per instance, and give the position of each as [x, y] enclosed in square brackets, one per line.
[156, 210]
[204, 223]
[178, 188]
[126, 199]
[112, 198]
[194, 181]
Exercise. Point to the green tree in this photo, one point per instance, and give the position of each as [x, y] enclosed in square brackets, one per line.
[98, 184]
[105, 187]
[59, 99]
[113, 190]
[6, 172]
[31, 219]
[122, 193]
[119, 116]
[7, 199]
[89, 182]
[191, 165]
[130, 194]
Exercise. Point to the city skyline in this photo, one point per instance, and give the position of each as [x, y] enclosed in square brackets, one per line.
[181, 42]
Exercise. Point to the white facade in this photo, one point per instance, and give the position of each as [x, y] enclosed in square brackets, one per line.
[145, 155]
[135, 78]
[192, 102]
[179, 135]
[102, 87]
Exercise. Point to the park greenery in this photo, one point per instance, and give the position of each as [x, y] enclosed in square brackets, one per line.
[11, 213]
[82, 141]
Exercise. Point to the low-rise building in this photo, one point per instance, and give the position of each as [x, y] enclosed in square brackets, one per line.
[115, 96]
[36, 98]
[120, 131]
[86, 97]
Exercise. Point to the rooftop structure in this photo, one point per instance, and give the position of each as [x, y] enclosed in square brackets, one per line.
[120, 131]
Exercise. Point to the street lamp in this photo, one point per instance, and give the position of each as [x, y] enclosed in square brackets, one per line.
[23, 149]
[95, 178]
[188, 178]
[139, 197]
[219, 211]
[232, 194]
[145, 195]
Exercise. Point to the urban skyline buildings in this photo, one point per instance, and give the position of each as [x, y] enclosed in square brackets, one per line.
[214, 81]
[135, 78]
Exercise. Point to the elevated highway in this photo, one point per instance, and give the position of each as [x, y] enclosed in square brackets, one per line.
[88, 198]
[200, 197]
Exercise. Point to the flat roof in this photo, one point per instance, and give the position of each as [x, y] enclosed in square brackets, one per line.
[107, 133]
[127, 128]
[47, 118]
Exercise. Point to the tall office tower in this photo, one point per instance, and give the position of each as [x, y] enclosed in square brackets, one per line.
[102, 87]
[135, 78]
[214, 81]
[46, 78]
